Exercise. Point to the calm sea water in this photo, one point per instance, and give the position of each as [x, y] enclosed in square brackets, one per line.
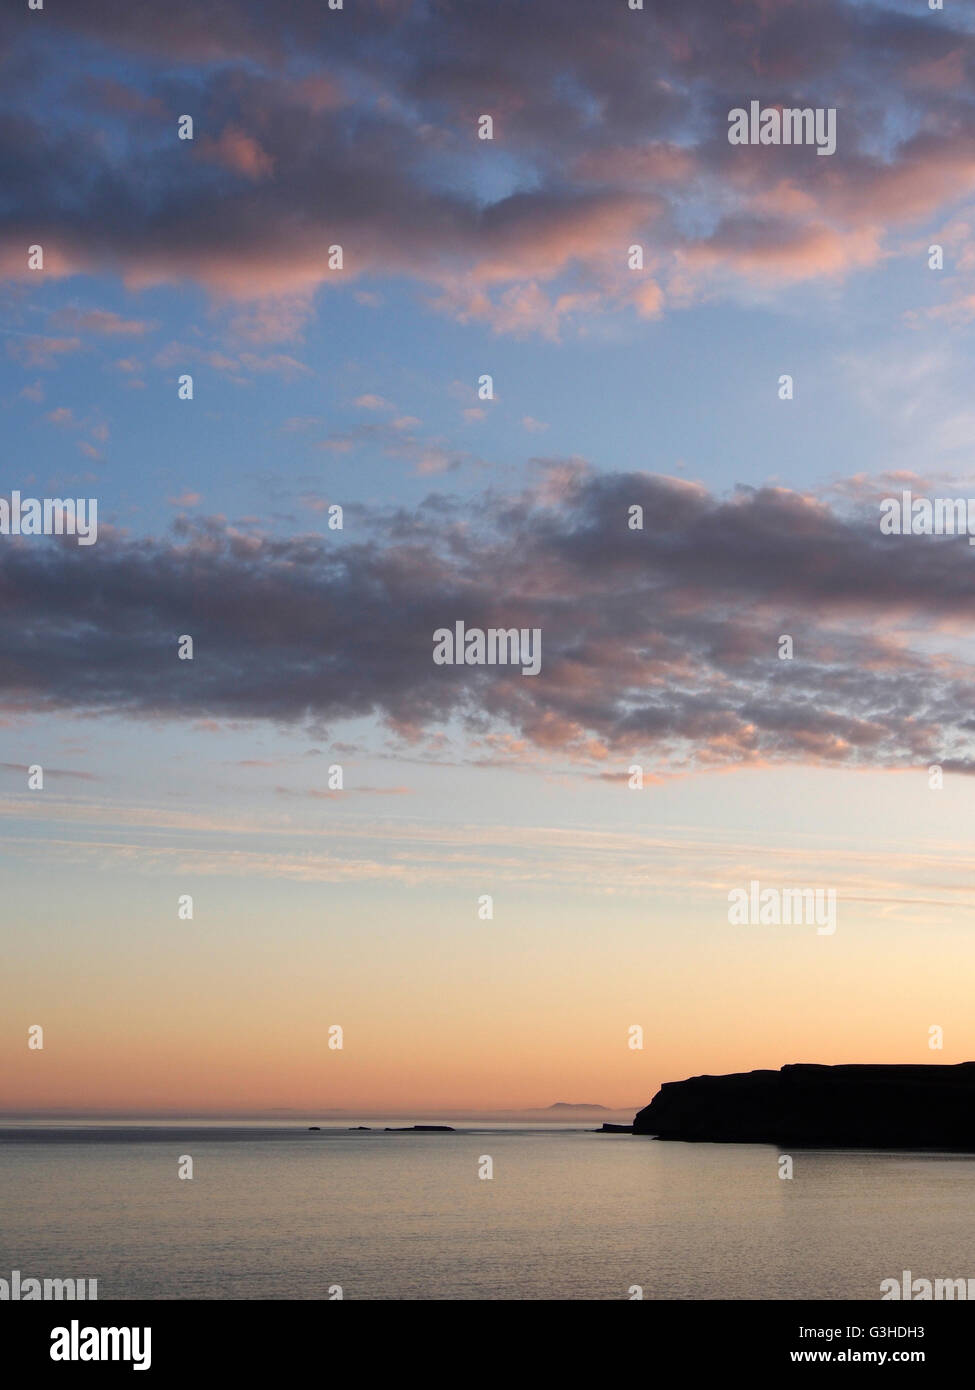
[283, 1213]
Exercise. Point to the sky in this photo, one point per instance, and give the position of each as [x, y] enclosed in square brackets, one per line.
[318, 386]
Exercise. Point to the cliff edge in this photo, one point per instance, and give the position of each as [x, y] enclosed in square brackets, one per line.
[888, 1107]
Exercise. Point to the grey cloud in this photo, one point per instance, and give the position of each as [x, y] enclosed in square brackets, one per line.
[662, 642]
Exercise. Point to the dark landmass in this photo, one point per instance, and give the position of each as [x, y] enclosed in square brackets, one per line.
[569, 1105]
[311, 1127]
[614, 1129]
[360, 1126]
[424, 1129]
[871, 1107]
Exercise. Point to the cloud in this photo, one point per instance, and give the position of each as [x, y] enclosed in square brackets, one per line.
[660, 643]
[154, 840]
[318, 794]
[398, 439]
[101, 321]
[36, 350]
[237, 151]
[178, 355]
[358, 129]
[274, 320]
[22, 768]
[764, 248]
[278, 362]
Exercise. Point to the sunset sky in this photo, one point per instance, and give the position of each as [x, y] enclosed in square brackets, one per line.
[613, 388]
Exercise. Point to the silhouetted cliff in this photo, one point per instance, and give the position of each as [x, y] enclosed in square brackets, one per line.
[888, 1107]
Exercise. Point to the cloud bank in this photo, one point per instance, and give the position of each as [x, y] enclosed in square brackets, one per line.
[358, 127]
[661, 643]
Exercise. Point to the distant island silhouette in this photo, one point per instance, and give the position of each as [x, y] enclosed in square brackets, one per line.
[419, 1129]
[399, 1129]
[809, 1105]
[562, 1105]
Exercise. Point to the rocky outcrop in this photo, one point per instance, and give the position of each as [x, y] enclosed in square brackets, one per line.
[883, 1107]
[420, 1129]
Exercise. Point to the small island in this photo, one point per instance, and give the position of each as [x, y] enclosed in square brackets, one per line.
[809, 1105]
[420, 1129]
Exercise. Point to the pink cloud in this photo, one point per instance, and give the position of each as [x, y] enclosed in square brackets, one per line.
[944, 74]
[38, 351]
[237, 151]
[785, 252]
[273, 320]
[318, 93]
[102, 321]
[656, 163]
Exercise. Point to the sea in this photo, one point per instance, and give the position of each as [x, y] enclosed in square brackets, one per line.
[276, 1211]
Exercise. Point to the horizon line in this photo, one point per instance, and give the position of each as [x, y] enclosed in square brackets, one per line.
[284, 1113]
